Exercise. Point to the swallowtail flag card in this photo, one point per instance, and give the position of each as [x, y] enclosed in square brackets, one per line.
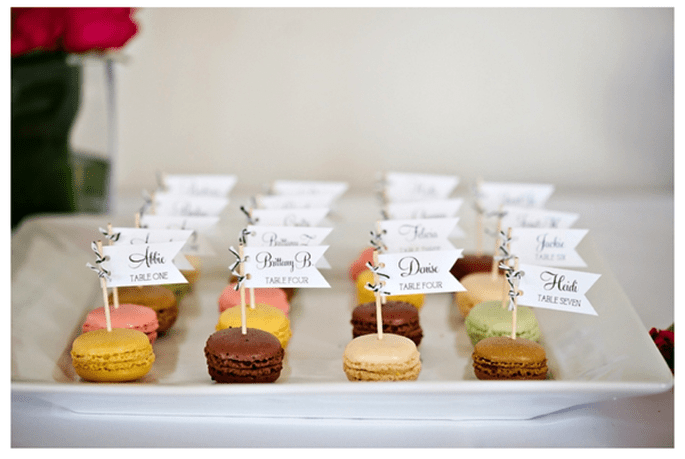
[433, 208]
[522, 217]
[283, 267]
[289, 217]
[309, 187]
[492, 195]
[417, 235]
[216, 185]
[175, 204]
[142, 264]
[197, 244]
[288, 236]
[402, 187]
[546, 246]
[419, 272]
[556, 288]
[134, 236]
[295, 201]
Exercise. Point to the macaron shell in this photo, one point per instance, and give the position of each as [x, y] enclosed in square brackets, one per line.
[112, 356]
[392, 358]
[399, 318]
[234, 357]
[263, 317]
[359, 265]
[365, 295]
[491, 319]
[479, 287]
[276, 297]
[501, 357]
[159, 299]
[132, 316]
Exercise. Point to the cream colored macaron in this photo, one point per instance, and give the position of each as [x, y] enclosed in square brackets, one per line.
[480, 287]
[390, 358]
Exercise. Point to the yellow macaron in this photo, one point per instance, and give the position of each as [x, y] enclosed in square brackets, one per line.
[122, 354]
[365, 295]
[262, 316]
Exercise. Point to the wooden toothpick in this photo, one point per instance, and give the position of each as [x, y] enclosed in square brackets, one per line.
[103, 284]
[376, 281]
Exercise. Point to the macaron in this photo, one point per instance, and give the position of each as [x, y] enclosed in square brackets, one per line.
[479, 287]
[392, 358]
[359, 265]
[262, 316]
[159, 299]
[365, 295]
[399, 318]
[500, 357]
[275, 297]
[132, 316]
[471, 263]
[234, 357]
[119, 355]
[491, 319]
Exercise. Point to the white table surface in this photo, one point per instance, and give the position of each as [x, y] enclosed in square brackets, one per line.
[634, 232]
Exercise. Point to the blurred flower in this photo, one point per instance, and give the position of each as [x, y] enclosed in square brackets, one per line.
[665, 342]
[73, 30]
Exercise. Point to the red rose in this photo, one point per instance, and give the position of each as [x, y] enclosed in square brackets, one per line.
[36, 29]
[89, 29]
[74, 30]
[665, 342]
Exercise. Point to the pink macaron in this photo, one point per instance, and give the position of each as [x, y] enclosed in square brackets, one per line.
[133, 316]
[275, 297]
[359, 265]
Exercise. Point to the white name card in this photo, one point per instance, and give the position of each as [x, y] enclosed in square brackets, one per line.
[419, 272]
[133, 236]
[536, 218]
[283, 267]
[289, 217]
[555, 288]
[295, 201]
[216, 185]
[492, 195]
[549, 247]
[418, 235]
[197, 244]
[143, 264]
[402, 187]
[434, 208]
[309, 187]
[174, 204]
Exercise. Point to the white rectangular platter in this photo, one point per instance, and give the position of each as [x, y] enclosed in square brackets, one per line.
[591, 358]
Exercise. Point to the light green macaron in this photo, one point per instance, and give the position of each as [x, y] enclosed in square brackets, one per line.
[489, 318]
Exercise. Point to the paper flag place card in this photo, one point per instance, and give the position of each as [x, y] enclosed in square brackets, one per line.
[492, 195]
[555, 288]
[132, 236]
[295, 201]
[309, 187]
[402, 187]
[288, 217]
[197, 244]
[549, 247]
[419, 272]
[174, 204]
[434, 208]
[283, 267]
[521, 217]
[417, 235]
[199, 185]
[275, 236]
[143, 264]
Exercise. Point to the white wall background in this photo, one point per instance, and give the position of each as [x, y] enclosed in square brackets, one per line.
[576, 97]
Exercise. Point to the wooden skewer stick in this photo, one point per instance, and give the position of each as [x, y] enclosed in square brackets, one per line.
[505, 287]
[376, 281]
[103, 284]
[115, 290]
[513, 313]
[243, 312]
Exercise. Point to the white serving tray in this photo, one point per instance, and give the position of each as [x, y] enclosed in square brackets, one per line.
[591, 358]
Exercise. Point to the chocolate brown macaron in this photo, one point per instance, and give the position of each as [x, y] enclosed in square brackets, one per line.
[160, 299]
[234, 357]
[399, 318]
[501, 357]
[471, 263]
